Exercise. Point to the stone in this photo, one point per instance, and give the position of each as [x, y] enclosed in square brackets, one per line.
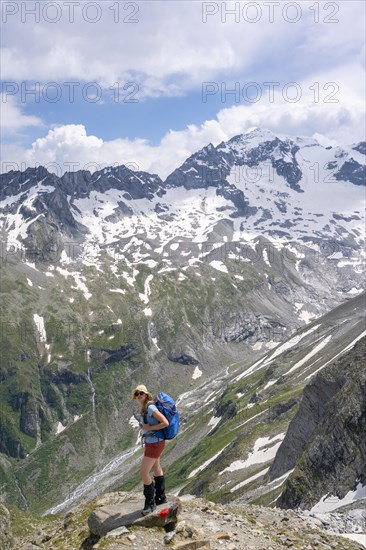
[117, 532]
[180, 526]
[194, 545]
[316, 521]
[40, 537]
[323, 518]
[68, 519]
[169, 537]
[107, 518]
[212, 526]
[222, 535]
[188, 532]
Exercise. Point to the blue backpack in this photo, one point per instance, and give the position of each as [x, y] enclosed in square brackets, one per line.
[165, 404]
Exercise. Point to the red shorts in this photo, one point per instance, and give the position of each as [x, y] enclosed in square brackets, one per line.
[154, 450]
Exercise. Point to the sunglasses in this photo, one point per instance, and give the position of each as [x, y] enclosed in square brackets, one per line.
[139, 393]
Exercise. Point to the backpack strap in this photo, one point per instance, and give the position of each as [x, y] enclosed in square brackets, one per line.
[147, 410]
[151, 432]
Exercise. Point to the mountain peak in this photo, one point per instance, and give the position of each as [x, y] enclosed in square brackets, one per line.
[256, 131]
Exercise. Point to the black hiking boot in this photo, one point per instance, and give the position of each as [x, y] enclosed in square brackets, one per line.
[149, 492]
[160, 497]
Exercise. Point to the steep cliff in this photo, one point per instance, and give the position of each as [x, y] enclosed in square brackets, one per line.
[325, 437]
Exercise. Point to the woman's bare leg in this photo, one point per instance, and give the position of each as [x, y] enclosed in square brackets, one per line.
[146, 465]
[158, 471]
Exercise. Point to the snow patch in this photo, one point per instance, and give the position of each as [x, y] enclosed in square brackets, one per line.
[39, 322]
[353, 291]
[147, 291]
[219, 266]
[196, 374]
[60, 428]
[357, 537]
[265, 256]
[307, 316]
[269, 384]
[205, 464]
[249, 480]
[155, 342]
[329, 503]
[308, 356]
[265, 449]
[290, 343]
[214, 420]
[347, 348]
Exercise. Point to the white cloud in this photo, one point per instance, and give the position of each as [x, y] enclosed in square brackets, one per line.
[12, 119]
[171, 51]
[339, 122]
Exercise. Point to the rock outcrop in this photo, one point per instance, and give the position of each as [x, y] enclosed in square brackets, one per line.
[200, 525]
[6, 537]
[324, 438]
[111, 517]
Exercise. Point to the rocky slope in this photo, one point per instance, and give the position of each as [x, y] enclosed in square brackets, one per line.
[6, 535]
[325, 441]
[233, 424]
[201, 525]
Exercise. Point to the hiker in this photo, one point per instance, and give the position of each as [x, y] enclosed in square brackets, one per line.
[154, 495]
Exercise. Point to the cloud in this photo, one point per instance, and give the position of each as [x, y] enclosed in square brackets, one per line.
[170, 50]
[13, 120]
[333, 112]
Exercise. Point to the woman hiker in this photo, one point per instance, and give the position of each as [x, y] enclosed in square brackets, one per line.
[154, 495]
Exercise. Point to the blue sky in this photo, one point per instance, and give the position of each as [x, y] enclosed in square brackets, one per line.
[314, 51]
[150, 118]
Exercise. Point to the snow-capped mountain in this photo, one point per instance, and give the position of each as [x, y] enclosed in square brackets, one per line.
[259, 183]
[115, 277]
[305, 199]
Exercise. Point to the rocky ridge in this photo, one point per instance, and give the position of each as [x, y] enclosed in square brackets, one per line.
[200, 524]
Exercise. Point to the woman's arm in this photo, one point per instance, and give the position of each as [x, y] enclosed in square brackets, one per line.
[162, 424]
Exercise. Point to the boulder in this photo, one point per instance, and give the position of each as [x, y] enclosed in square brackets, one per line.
[107, 518]
[5, 529]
